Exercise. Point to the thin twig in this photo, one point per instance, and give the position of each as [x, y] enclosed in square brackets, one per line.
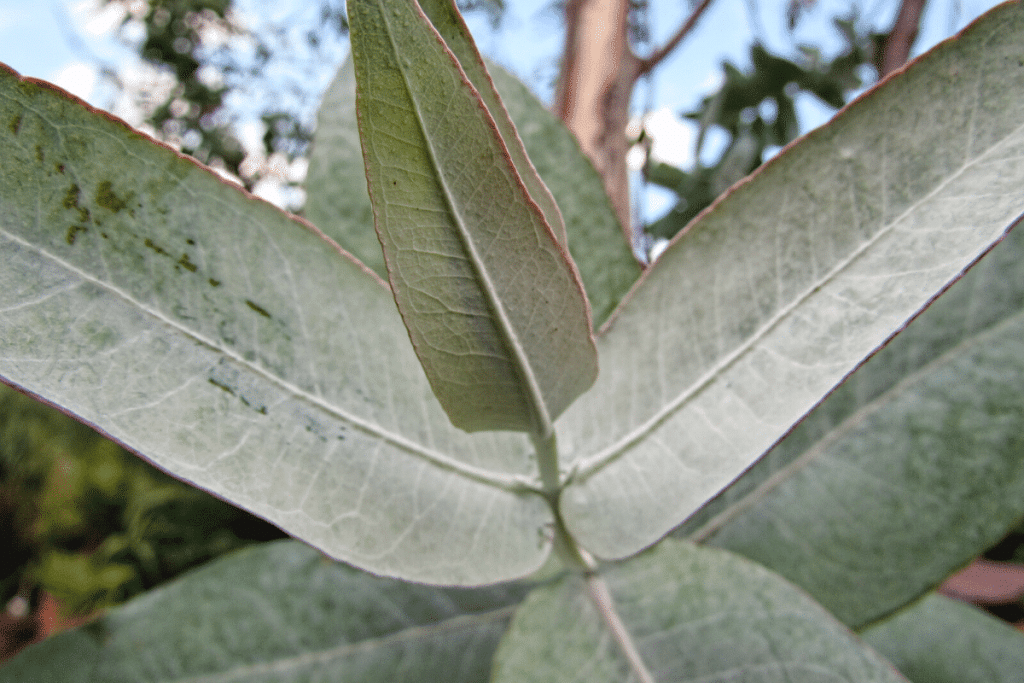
[901, 39]
[646, 65]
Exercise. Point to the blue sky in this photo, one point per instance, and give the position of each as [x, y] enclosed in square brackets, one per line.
[39, 38]
[61, 40]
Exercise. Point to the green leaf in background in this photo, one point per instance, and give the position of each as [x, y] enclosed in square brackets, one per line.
[492, 301]
[237, 348]
[338, 204]
[943, 641]
[908, 470]
[278, 613]
[336, 198]
[785, 285]
[691, 614]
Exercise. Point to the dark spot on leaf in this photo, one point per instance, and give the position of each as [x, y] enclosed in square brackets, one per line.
[214, 283]
[106, 197]
[16, 124]
[256, 307]
[221, 386]
[39, 154]
[104, 235]
[60, 168]
[191, 242]
[186, 264]
[155, 247]
[73, 233]
[71, 197]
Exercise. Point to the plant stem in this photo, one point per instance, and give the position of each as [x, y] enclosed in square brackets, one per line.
[546, 448]
[599, 593]
[572, 555]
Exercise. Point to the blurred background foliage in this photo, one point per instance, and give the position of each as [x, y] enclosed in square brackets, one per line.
[756, 110]
[216, 71]
[92, 524]
[195, 44]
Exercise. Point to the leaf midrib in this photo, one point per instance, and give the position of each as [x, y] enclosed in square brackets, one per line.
[585, 468]
[541, 418]
[511, 483]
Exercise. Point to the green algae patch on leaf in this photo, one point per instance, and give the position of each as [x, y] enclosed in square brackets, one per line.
[491, 299]
[108, 199]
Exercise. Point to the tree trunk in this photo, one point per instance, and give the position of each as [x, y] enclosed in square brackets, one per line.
[598, 73]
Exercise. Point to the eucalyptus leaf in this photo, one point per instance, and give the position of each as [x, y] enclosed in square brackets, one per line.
[447, 21]
[943, 641]
[691, 614]
[337, 201]
[606, 262]
[240, 350]
[294, 616]
[492, 301]
[336, 198]
[908, 470]
[769, 300]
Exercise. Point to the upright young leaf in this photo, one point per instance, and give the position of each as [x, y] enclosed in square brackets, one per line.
[491, 299]
[449, 24]
[762, 306]
[604, 258]
[337, 202]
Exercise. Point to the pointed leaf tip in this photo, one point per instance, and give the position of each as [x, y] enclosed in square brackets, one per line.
[491, 299]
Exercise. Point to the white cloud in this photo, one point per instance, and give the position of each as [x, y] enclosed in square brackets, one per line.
[96, 19]
[672, 139]
[78, 78]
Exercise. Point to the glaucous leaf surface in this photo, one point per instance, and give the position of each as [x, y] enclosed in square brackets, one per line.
[785, 285]
[338, 204]
[691, 614]
[909, 469]
[336, 198]
[492, 301]
[943, 641]
[239, 349]
[279, 613]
